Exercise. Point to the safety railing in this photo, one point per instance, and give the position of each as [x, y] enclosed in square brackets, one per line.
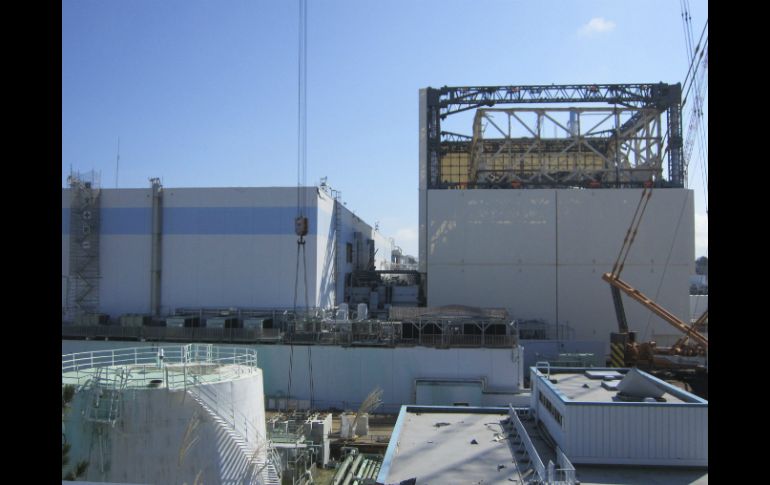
[191, 334]
[170, 363]
[346, 333]
[565, 474]
[534, 457]
[459, 340]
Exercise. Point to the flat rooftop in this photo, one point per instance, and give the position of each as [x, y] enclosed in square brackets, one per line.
[434, 446]
[581, 388]
[598, 385]
[438, 447]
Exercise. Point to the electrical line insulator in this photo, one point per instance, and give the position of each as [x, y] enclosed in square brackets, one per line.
[300, 226]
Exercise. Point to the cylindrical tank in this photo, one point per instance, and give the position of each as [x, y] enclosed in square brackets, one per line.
[157, 430]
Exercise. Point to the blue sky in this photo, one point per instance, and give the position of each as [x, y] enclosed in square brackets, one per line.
[204, 93]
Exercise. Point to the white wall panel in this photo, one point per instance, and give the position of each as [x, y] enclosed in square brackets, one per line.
[527, 290]
[585, 300]
[235, 196]
[124, 265]
[232, 270]
[117, 198]
[325, 252]
[491, 227]
[698, 305]
[502, 248]
[592, 225]
[638, 434]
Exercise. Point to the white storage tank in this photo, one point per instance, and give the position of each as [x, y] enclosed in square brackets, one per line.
[194, 416]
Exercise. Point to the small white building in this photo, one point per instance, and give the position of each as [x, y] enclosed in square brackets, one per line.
[593, 422]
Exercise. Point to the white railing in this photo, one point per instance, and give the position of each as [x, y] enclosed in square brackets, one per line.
[565, 474]
[534, 457]
[176, 363]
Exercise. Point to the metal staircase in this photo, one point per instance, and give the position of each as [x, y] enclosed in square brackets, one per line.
[83, 297]
[103, 408]
[106, 391]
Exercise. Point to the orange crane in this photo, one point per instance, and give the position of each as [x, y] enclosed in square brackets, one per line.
[625, 351]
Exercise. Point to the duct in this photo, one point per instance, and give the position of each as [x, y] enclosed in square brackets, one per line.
[155, 263]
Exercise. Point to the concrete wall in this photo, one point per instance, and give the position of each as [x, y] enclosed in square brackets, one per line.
[344, 376]
[541, 254]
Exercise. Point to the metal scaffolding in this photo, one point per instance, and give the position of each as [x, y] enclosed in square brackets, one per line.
[83, 291]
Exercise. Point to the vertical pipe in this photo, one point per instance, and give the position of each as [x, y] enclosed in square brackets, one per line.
[155, 263]
[556, 239]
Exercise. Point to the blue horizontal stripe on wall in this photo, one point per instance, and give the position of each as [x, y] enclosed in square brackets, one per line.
[200, 220]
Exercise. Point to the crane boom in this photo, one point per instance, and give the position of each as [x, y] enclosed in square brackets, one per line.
[655, 308]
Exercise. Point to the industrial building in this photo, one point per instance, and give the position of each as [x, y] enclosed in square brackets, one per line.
[603, 416]
[152, 251]
[638, 428]
[518, 232]
[529, 208]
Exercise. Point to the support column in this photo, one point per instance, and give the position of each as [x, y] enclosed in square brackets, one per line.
[155, 262]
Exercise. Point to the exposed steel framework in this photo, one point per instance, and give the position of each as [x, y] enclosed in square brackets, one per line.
[635, 110]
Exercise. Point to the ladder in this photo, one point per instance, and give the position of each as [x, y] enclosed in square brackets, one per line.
[106, 395]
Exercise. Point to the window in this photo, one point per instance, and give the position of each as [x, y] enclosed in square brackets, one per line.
[551, 409]
[349, 252]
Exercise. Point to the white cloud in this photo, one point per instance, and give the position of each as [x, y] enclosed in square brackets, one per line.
[701, 235]
[596, 25]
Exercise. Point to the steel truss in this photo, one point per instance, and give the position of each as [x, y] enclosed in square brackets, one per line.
[624, 146]
[647, 101]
